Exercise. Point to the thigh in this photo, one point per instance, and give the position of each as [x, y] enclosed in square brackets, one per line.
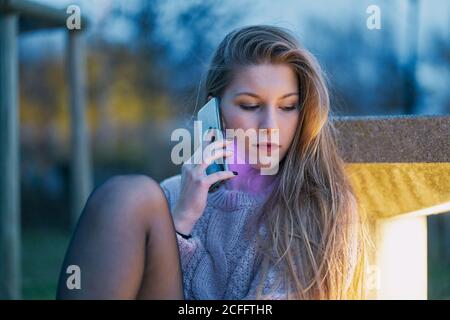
[113, 244]
[162, 277]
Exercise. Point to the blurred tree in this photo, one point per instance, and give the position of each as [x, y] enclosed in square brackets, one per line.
[200, 25]
[439, 56]
[409, 69]
[364, 71]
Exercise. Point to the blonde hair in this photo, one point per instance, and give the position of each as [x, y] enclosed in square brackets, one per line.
[314, 231]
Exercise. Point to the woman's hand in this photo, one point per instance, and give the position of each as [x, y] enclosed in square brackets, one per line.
[195, 183]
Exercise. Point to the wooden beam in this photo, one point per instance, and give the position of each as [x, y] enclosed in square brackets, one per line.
[34, 10]
[38, 11]
[81, 179]
[35, 16]
[10, 269]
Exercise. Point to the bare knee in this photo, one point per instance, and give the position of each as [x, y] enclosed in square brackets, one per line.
[138, 198]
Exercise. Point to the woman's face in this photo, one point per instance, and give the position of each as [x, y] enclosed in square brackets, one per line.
[263, 96]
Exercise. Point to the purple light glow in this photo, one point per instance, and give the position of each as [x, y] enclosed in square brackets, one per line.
[249, 178]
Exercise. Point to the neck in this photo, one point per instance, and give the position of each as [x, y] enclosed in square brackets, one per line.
[249, 179]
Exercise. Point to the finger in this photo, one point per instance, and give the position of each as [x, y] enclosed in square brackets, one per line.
[220, 153]
[196, 158]
[212, 134]
[220, 175]
[217, 145]
[208, 134]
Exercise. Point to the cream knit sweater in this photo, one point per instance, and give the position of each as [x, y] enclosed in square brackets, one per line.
[220, 261]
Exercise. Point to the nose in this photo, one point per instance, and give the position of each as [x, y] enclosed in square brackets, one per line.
[269, 122]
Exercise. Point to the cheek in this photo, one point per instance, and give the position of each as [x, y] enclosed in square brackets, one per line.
[287, 132]
[236, 119]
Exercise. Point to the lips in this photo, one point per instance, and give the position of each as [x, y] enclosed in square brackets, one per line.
[267, 145]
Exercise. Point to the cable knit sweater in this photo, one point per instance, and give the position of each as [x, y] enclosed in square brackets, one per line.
[220, 261]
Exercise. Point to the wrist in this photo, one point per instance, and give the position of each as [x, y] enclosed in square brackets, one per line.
[185, 236]
[183, 222]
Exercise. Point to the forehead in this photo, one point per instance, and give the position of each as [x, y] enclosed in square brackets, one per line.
[264, 79]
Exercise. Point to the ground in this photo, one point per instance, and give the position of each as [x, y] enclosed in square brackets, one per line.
[42, 257]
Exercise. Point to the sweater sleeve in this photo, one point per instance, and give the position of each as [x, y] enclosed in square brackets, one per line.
[187, 247]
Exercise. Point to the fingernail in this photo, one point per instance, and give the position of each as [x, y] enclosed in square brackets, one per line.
[235, 173]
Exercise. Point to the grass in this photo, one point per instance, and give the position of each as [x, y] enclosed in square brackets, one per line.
[43, 252]
[439, 281]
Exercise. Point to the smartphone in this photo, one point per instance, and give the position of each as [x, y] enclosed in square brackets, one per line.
[211, 118]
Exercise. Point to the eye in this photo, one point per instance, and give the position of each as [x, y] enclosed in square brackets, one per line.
[289, 108]
[249, 107]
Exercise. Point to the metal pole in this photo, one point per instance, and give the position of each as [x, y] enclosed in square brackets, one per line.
[81, 180]
[10, 270]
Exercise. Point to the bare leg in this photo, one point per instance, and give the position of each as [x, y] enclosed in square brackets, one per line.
[124, 244]
[162, 276]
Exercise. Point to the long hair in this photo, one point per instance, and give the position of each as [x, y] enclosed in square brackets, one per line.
[314, 229]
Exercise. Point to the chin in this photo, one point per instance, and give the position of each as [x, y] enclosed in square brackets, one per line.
[269, 167]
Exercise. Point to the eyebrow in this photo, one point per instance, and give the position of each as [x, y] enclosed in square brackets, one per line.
[256, 96]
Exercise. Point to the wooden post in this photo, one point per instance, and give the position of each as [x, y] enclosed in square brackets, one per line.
[81, 181]
[10, 270]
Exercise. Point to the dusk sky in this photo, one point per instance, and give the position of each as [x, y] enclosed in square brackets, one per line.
[339, 15]
[293, 14]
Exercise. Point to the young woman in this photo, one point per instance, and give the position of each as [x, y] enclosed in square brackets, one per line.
[292, 235]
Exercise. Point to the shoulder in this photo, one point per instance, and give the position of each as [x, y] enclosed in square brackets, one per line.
[171, 187]
[134, 193]
[172, 182]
